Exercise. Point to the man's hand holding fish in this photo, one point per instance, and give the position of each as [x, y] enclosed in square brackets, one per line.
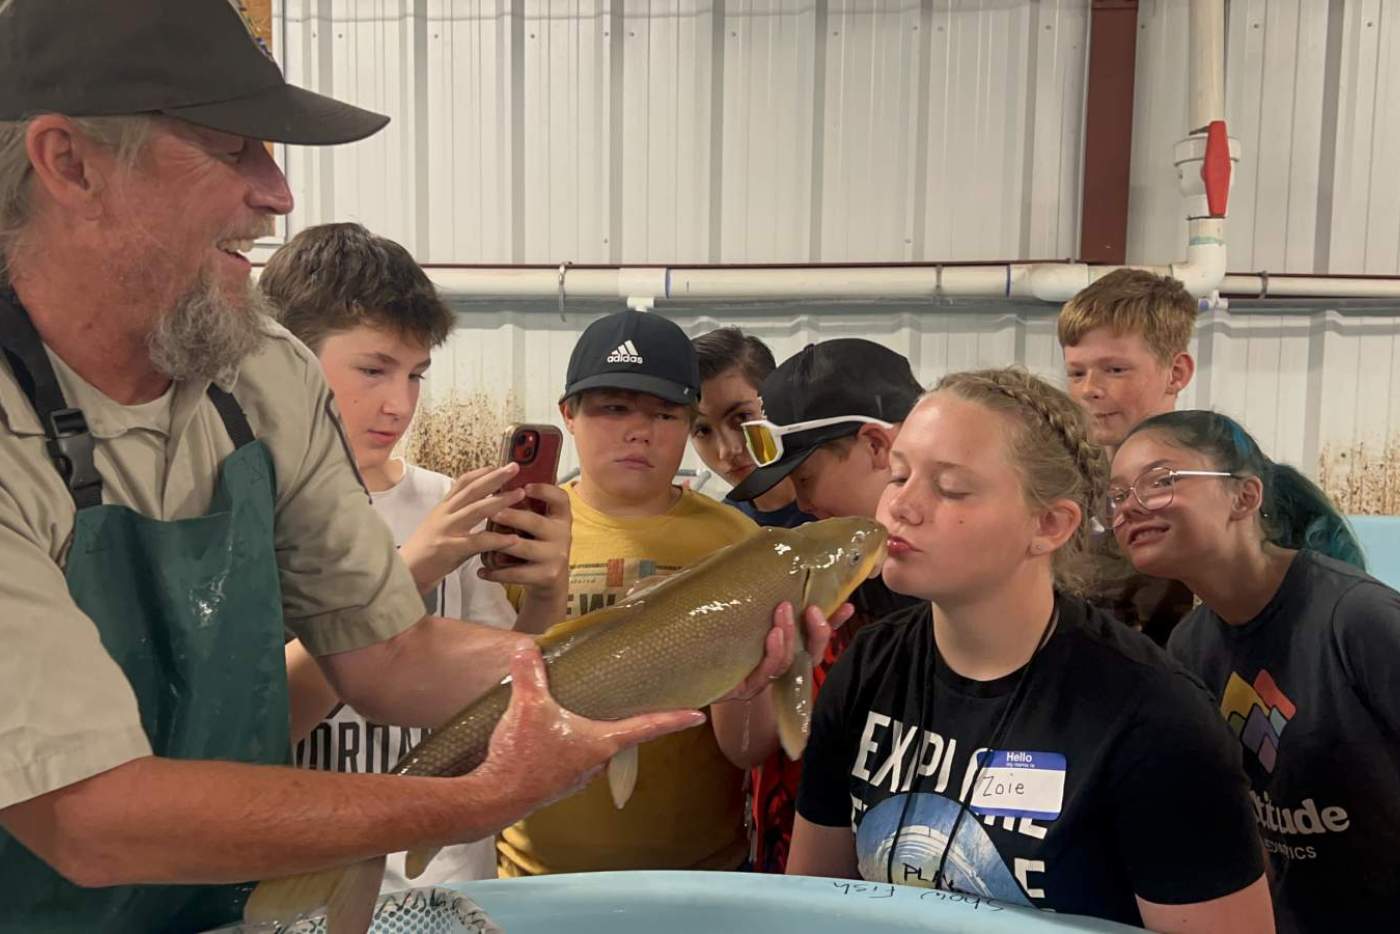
[621, 676]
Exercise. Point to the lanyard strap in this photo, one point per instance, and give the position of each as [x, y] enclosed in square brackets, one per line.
[69, 442]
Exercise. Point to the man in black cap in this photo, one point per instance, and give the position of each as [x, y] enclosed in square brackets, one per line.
[176, 491]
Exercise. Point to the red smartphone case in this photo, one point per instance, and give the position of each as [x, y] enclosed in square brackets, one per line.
[536, 448]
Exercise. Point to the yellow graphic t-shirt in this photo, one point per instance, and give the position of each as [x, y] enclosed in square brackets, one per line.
[687, 809]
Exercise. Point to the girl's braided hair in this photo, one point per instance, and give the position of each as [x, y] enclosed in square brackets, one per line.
[1050, 447]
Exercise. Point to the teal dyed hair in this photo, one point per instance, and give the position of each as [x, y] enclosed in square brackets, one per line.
[1295, 512]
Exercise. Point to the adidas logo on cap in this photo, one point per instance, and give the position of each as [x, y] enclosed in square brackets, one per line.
[626, 352]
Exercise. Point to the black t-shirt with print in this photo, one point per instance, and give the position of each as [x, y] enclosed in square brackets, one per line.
[1311, 688]
[1153, 801]
[1152, 605]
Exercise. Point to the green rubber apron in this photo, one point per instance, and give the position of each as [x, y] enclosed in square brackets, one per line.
[192, 612]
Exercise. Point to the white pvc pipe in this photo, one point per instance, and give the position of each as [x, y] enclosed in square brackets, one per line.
[1268, 285]
[1049, 282]
[1207, 69]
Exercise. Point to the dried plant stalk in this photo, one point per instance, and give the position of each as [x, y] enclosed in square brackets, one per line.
[1363, 479]
[461, 431]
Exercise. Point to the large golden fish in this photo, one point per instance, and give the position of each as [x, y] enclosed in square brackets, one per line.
[681, 643]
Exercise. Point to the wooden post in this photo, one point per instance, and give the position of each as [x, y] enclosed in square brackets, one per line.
[260, 12]
[1108, 131]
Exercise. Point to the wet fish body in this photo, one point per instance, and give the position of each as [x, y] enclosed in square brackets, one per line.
[681, 643]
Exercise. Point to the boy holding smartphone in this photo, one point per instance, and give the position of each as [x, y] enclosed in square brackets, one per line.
[372, 318]
[630, 396]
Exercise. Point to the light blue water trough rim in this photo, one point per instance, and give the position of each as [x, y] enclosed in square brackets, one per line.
[576, 902]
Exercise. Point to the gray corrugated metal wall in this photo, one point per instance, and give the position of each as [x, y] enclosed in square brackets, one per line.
[726, 131]
[848, 130]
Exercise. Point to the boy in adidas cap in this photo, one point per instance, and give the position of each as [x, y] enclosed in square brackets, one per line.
[632, 387]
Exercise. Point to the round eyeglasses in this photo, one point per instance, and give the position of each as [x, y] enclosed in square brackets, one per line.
[1154, 489]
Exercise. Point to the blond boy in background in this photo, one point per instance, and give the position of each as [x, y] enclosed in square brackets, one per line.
[1126, 340]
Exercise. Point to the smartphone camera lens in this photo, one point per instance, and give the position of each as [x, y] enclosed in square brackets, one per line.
[526, 446]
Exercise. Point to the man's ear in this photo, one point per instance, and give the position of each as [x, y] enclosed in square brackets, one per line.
[567, 416]
[68, 166]
[878, 440]
[1182, 369]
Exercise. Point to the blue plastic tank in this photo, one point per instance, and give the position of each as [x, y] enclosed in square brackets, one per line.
[736, 903]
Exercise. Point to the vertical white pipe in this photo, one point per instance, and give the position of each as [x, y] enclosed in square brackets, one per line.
[1207, 63]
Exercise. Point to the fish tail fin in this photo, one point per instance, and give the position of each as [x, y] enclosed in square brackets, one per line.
[348, 893]
[351, 908]
[792, 704]
[417, 861]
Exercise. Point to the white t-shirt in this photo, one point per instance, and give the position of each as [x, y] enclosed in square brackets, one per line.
[346, 742]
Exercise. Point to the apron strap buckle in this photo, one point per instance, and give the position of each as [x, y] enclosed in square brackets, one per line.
[71, 447]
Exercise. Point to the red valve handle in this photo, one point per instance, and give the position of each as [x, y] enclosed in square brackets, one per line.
[1215, 171]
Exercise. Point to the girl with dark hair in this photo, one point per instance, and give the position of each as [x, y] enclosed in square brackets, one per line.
[733, 365]
[1300, 646]
[1005, 739]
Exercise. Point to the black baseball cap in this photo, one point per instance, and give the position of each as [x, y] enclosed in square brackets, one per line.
[635, 350]
[197, 60]
[846, 376]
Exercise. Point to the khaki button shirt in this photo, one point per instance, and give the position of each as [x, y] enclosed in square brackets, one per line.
[67, 711]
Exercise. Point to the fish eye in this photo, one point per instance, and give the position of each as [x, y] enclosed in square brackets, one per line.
[854, 558]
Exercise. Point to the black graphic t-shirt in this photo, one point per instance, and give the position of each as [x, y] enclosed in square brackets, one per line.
[1311, 690]
[1113, 778]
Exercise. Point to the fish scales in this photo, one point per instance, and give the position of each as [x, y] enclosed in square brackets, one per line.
[680, 643]
[631, 667]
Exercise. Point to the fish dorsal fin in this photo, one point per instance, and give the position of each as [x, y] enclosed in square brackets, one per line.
[570, 632]
[646, 585]
[622, 775]
[576, 630]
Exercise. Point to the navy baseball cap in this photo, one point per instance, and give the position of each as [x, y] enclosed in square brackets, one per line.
[635, 350]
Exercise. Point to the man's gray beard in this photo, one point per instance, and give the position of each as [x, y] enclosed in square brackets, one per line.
[206, 335]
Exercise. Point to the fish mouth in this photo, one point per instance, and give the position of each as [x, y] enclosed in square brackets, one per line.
[869, 566]
[878, 565]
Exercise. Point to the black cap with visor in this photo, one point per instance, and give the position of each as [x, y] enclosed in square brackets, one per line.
[196, 60]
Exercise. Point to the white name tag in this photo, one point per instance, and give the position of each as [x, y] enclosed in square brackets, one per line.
[1020, 784]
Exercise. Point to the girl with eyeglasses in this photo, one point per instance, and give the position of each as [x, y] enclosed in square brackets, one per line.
[1299, 645]
[1004, 739]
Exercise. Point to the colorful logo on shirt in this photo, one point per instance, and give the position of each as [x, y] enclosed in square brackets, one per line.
[1257, 714]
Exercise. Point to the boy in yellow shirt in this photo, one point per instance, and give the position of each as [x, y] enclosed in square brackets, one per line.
[632, 387]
